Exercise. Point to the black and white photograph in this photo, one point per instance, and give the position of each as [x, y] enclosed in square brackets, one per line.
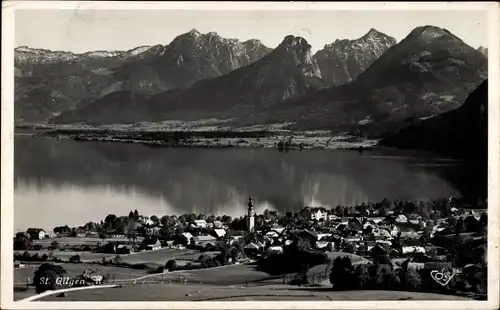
[250, 152]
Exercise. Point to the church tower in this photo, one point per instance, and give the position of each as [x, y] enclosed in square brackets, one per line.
[250, 215]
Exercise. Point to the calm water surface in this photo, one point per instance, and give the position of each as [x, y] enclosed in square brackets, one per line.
[69, 182]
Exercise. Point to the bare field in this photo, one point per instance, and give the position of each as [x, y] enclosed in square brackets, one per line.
[65, 255]
[80, 241]
[187, 292]
[354, 258]
[159, 257]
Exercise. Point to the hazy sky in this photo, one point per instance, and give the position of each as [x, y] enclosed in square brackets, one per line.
[86, 30]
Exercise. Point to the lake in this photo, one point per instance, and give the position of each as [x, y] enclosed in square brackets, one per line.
[69, 182]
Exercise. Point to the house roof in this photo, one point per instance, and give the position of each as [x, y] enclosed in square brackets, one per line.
[413, 249]
[204, 238]
[220, 232]
[187, 235]
[252, 245]
[217, 223]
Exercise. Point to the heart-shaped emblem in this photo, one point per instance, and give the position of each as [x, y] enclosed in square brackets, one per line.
[442, 277]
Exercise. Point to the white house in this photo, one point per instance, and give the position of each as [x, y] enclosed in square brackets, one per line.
[187, 235]
[36, 233]
[144, 220]
[220, 233]
[401, 218]
[272, 234]
[200, 223]
[322, 235]
[413, 249]
[333, 217]
[152, 244]
[318, 214]
[275, 249]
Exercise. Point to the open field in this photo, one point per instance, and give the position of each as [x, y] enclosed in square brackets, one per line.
[120, 273]
[22, 276]
[197, 292]
[65, 255]
[80, 241]
[231, 275]
[159, 257]
[354, 258]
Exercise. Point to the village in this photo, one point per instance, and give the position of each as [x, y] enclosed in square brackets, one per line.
[427, 235]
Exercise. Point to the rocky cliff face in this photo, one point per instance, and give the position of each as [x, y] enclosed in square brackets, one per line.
[71, 80]
[429, 72]
[483, 50]
[287, 72]
[342, 61]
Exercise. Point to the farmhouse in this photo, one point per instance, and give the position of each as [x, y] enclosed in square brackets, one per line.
[36, 233]
[152, 244]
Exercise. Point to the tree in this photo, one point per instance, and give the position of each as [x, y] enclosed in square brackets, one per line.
[75, 259]
[155, 220]
[342, 276]
[136, 215]
[171, 265]
[102, 235]
[90, 226]
[54, 245]
[119, 227]
[22, 241]
[226, 219]
[46, 276]
[110, 219]
[118, 259]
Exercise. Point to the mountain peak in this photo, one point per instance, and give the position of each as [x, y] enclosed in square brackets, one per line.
[373, 33]
[194, 32]
[293, 41]
[429, 32]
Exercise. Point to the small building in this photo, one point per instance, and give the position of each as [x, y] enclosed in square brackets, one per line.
[36, 233]
[275, 249]
[187, 235]
[218, 224]
[401, 218]
[200, 223]
[202, 241]
[252, 248]
[219, 233]
[413, 249]
[152, 244]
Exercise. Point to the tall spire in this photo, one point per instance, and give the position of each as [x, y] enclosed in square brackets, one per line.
[250, 202]
[250, 219]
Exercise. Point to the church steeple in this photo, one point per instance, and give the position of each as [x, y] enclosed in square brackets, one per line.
[250, 215]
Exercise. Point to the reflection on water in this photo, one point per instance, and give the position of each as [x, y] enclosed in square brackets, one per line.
[68, 182]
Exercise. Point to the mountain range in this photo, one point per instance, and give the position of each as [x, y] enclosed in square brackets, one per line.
[370, 83]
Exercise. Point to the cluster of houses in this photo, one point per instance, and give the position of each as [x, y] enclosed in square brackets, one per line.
[362, 235]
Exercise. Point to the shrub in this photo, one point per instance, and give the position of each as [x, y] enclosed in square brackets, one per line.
[171, 265]
[118, 259]
[54, 245]
[159, 269]
[45, 257]
[75, 259]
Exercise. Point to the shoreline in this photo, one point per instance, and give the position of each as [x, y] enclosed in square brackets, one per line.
[282, 141]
